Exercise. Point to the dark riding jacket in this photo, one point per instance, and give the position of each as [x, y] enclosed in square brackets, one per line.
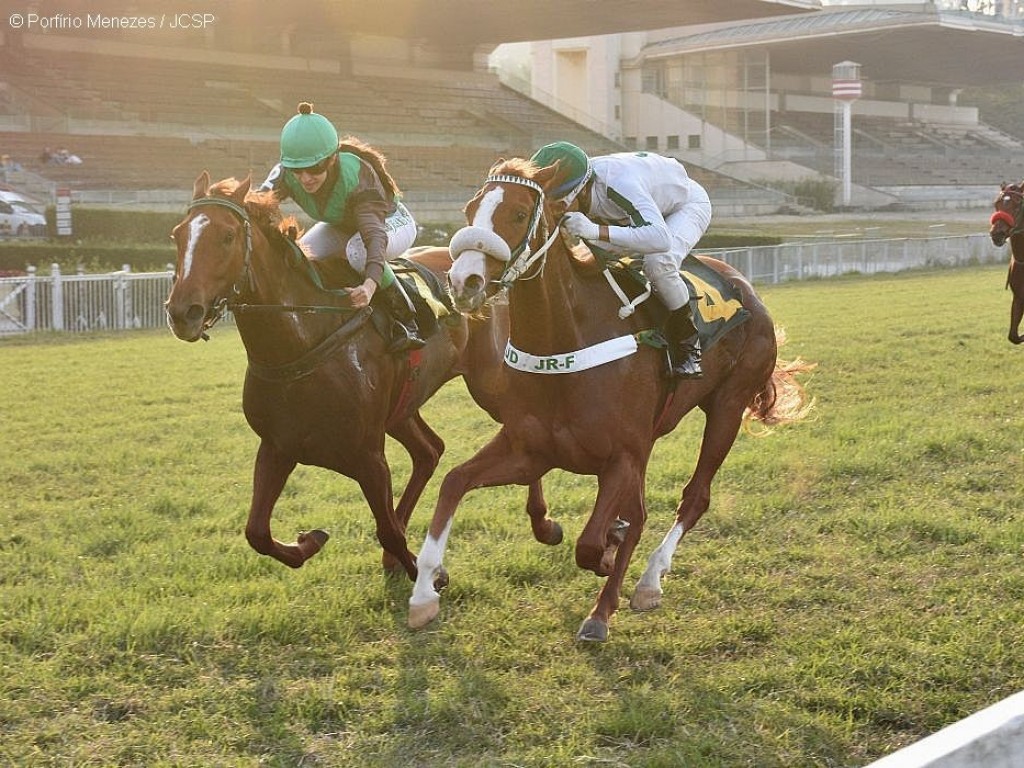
[352, 199]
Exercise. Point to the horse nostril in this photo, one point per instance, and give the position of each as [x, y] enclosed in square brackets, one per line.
[195, 313]
[474, 284]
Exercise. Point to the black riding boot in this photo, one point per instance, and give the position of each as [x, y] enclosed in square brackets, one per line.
[405, 334]
[683, 345]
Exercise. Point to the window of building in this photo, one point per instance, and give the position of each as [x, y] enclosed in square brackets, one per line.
[652, 142]
[693, 141]
[672, 142]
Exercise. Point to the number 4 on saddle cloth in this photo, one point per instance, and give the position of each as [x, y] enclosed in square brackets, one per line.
[714, 302]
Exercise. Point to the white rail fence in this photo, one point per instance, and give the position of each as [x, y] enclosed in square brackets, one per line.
[125, 300]
[95, 302]
[812, 259]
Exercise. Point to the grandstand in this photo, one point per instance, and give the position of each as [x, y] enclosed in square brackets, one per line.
[752, 99]
[168, 119]
[147, 117]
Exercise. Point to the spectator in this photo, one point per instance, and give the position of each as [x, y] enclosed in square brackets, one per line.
[66, 158]
[8, 166]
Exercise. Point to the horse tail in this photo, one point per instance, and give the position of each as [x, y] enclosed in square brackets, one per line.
[782, 399]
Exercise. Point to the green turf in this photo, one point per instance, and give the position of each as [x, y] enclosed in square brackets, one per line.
[856, 584]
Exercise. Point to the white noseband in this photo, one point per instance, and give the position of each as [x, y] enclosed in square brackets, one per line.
[486, 241]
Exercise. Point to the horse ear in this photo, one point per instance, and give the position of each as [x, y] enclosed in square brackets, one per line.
[202, 184]
[546, 176]
[243, 189]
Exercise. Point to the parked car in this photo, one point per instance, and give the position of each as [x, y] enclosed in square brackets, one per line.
[21, 219]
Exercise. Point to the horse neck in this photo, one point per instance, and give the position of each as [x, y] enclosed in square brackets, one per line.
[554, 307]
[482, 363]
[277, 336]
[1017, 246]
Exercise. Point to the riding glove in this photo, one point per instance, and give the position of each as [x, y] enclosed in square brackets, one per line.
[578, 225]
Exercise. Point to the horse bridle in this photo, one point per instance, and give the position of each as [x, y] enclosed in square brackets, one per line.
[245, 280]
[222, 305]
[1015, 223]
[520, 259]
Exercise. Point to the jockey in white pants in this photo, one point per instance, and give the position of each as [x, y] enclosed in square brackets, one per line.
[345, 187]
[641, 204]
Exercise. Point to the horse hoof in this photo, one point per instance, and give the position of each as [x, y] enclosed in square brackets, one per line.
[593, 631]
[554, 535]
[645, 599]
[441, 580]
[421, 614]
[311, 542]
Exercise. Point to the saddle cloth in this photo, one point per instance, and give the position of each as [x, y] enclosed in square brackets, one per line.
[714, 302]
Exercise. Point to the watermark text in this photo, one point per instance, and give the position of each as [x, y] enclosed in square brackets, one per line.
[35, 22]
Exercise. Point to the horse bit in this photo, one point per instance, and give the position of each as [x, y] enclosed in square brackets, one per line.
[487, 241]
[222, 305]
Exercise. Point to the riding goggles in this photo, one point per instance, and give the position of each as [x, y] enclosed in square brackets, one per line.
[314, 170]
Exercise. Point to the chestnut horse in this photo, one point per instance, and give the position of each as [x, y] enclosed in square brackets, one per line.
[1007, 223]
[601, 420]
[320, 388]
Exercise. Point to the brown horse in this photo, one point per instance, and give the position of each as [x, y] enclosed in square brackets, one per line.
[1007, 223]
[600, 420]
[320, 388]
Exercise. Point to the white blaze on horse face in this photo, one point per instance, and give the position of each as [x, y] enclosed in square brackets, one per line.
[474, 263]
[468, 264]
[195, 229]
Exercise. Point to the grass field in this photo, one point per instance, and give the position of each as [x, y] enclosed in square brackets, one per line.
[856, 585]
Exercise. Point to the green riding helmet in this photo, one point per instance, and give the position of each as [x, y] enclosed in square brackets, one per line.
[575, 165]
[307, 139]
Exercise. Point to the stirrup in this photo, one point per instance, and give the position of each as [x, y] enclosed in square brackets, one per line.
[404, 338]
[688, 364]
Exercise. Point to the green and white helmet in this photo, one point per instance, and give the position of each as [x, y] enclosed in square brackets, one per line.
[307, 139]
[574, 168]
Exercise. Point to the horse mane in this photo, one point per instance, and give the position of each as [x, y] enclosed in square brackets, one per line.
[375, 158]
[515, 166]
[264, 211]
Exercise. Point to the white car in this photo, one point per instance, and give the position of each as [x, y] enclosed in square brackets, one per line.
[21, 219]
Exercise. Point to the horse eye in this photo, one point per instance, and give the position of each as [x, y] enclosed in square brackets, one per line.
[229, 237]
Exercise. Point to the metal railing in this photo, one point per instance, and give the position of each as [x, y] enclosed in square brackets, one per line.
[82, 302]
[123, 300]
[807, 260]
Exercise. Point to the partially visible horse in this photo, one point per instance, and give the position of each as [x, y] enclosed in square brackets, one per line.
[320, 388]
[1007, 223]
[601, 420]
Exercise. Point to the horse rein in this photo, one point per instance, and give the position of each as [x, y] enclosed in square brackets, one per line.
[520, 259]
[221, 306]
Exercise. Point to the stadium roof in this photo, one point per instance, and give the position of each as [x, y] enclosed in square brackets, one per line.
[463, 22]
[921, 46]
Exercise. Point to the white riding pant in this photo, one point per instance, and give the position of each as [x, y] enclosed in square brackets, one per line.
[687, 227]
[324, 240]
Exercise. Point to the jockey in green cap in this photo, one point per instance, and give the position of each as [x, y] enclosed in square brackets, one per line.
[345, 187]
[642, 204]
